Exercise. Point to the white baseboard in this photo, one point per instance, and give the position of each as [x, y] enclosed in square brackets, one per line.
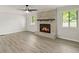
[11, 32]
[66, 38]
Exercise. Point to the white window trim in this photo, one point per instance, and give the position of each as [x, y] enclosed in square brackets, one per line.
[68, 23]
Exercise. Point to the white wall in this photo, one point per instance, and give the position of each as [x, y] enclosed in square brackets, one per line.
[67, 33]
[29, 26]
[11, 21]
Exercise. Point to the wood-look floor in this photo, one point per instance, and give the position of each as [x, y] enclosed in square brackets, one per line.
[26, 42]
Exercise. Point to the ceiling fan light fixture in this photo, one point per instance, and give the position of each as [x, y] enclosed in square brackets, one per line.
[27, 11]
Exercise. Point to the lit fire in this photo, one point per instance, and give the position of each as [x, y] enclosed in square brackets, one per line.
[45, 29]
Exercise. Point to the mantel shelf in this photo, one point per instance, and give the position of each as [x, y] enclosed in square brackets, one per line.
[45, 19]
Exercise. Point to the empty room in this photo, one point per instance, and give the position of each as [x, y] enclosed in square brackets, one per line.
[39, 29]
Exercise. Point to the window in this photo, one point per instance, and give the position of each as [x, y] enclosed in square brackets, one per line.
[70, 18]
[33, 20]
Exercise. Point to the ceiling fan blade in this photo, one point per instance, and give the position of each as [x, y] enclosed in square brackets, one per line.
[32, 9]
[22, 9]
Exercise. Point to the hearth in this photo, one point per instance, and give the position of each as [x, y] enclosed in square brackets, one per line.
[45, 28]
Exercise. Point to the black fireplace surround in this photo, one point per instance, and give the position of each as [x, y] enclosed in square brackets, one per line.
[45, 28]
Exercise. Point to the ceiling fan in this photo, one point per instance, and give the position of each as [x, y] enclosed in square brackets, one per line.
[27, 9]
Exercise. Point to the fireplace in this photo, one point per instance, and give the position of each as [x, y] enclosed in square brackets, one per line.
[45, 28]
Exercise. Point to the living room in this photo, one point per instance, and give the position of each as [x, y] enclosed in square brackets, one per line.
[39, 28]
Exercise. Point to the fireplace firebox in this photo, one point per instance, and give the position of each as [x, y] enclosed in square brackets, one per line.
[45, 28]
